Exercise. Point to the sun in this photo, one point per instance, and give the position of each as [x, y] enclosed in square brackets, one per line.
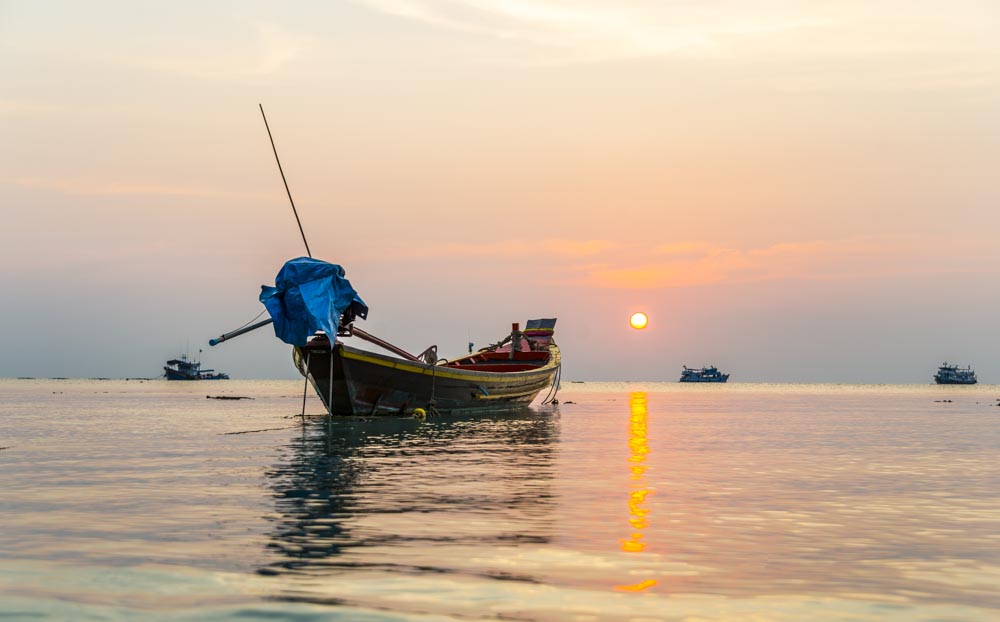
[638, 320]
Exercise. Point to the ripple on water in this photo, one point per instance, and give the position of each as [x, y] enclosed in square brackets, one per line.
[634, 502]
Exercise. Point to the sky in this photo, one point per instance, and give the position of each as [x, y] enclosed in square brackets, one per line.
[793, 190]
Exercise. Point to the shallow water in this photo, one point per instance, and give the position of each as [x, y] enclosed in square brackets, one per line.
[628, 501]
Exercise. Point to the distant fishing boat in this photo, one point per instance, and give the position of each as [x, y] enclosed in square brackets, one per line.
[187, 369]
[704, 374]
[953, 374]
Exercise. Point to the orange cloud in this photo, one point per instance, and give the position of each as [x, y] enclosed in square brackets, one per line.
[690, 264]
[655, 276]
[578, 248]
[515, 248]
[688, 249]
[601, 263]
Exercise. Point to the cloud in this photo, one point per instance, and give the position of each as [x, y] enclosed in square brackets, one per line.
[610, 265]
[234, 49]
[96, 187]
[31, 108]
[690, 250]
[577, 248]
[657, 276]
[587, 30]
[806, 46]
[269, 50]
[687, 264]
[513, 249]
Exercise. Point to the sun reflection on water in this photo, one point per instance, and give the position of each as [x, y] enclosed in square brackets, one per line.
[638, 489]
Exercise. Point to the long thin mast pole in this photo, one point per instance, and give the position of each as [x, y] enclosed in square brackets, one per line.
[280, 170]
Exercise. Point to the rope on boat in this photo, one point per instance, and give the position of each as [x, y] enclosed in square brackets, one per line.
[251, 321]
[431, 404]
[329, 401]
[305, 388]
[554, 389]
[329, 392]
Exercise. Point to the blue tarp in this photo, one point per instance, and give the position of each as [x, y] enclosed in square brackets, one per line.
[309, 295]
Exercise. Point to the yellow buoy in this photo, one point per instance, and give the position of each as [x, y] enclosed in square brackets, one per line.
[419, 413]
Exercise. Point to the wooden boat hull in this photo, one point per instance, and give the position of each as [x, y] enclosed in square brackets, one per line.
[367, 383]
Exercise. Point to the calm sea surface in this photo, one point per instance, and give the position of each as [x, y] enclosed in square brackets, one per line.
[628, 501]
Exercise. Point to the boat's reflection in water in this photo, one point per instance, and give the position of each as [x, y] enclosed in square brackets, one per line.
[399, 496]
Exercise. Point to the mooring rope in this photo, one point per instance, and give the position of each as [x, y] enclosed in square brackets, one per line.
[554, 389]
[305, 388]
[431, 408]
[329, 404]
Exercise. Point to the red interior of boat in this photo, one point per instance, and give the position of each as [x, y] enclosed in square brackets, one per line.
[499, 361]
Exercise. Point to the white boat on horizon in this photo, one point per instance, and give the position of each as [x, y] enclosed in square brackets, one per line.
[953, 374]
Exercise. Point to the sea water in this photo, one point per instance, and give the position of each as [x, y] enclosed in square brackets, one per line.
[626, 501]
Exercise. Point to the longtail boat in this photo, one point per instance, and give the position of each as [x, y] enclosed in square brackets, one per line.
[507, 375]
[313, 305]
[313, 300]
